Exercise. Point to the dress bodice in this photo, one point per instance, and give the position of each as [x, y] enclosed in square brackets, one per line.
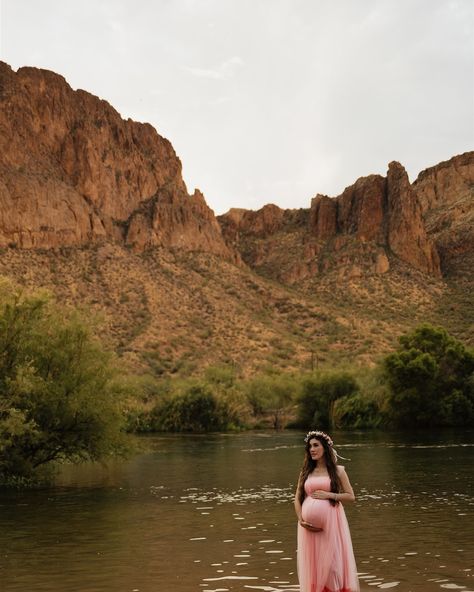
[314, 482]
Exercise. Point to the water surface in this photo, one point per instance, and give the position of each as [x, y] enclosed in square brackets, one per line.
[215, 513]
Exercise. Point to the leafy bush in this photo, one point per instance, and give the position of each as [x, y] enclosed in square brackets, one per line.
[59, 393]
[197, 409]
[318, 396]
[356, 411]
[431, 379]
[221, 376]
[272, 395]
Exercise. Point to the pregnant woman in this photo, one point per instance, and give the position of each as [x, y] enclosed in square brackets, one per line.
[325, 557]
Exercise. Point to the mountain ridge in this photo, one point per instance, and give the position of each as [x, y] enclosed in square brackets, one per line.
[74, 172]
[95, 209]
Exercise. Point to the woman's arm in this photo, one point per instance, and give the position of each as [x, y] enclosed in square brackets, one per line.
[297, 502]
[347, 494]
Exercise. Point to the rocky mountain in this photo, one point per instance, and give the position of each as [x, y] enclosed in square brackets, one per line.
[74, 173]
[95, 209]
[446, 195]
[424, 224]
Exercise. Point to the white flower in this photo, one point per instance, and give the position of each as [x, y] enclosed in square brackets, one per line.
[318, 434]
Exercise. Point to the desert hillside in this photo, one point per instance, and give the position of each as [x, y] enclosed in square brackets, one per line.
[95, 209]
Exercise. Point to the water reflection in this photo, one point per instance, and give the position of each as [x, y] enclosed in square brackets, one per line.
[215, 513]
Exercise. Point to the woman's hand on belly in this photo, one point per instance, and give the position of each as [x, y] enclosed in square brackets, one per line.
[322, 495]
[309, 526]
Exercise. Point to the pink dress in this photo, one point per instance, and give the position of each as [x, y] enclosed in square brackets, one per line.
[325, 559]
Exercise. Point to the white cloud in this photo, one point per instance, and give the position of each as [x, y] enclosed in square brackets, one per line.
[203, 73]
[225, 71]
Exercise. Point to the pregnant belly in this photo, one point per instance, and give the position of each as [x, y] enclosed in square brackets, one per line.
[316, 511]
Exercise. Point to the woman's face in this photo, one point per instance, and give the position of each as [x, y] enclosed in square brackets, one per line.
[316, 449]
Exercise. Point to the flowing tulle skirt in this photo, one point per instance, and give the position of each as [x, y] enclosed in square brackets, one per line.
[325, 559]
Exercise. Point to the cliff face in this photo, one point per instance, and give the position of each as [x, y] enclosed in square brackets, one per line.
[446, 195]
[424, 224]
[407, 236]
[73, 172]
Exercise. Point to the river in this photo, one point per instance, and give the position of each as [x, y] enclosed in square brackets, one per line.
[214, 513]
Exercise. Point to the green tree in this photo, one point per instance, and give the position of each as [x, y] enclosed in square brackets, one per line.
[430, 378]
[272, 395]
[356, 411]
[319, 393]
[194, 409]
[59, 393]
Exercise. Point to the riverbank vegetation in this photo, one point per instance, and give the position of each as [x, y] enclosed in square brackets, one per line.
[63, 399]
[427, 381]
[60, 394]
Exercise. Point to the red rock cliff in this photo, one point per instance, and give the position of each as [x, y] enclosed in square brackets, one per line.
[72, 171]
[446, 195]
[388, 215]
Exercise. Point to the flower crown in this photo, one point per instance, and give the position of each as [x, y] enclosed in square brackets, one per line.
[318, 434]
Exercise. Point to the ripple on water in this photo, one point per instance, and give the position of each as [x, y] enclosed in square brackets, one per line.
[240, 496]
[286, 588]
[219, 578]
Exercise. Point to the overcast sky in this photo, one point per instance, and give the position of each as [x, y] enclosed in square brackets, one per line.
[268, 100]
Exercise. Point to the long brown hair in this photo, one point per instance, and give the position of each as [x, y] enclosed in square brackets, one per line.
[309, 465]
